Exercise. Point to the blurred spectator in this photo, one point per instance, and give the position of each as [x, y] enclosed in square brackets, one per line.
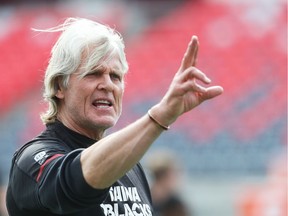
[173, 206]
[165, 185]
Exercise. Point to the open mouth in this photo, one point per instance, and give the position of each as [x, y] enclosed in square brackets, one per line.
[102, 103]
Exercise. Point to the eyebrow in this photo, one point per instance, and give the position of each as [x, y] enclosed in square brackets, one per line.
[102, 69]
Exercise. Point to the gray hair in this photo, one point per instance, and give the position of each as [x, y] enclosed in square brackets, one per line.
[82, 43]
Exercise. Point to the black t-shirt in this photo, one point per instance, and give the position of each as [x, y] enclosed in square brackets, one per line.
[46, 179]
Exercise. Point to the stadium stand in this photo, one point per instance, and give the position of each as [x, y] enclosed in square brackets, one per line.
[243, 48]
[253, 76]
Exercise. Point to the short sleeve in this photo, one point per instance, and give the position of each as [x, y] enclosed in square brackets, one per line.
[53, 180]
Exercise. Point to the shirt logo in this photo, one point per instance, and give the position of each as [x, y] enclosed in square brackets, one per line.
[125, 201]
[41, 157]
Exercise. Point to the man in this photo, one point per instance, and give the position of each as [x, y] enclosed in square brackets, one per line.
[72, 168]
[165, 184]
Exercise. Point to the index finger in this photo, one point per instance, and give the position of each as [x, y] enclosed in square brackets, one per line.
[190, 56]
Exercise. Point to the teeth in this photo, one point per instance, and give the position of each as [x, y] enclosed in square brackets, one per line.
[102, 106]
[103, 101]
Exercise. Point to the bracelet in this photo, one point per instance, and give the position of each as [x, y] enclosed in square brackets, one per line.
[157, 122]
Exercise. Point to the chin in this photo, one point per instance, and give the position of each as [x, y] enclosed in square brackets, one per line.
[105, 124]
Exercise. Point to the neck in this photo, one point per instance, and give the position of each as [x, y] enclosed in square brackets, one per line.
[93, 133]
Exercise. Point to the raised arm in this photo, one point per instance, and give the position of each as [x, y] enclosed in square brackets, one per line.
[111, 157]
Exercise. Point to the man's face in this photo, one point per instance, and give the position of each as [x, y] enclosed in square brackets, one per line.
[92, 104]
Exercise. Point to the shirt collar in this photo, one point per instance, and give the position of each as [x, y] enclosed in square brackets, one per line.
[70, 137]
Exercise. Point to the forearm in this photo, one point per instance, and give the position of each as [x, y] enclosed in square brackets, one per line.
[111, 157]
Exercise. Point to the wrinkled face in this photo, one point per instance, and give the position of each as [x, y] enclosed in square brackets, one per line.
[92, 104]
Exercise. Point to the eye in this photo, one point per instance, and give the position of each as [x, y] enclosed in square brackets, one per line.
[116, 76]
[94, 73]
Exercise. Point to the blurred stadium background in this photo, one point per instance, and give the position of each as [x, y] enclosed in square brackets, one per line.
[233, 149]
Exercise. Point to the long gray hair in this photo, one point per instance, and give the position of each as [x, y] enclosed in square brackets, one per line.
[82, 43]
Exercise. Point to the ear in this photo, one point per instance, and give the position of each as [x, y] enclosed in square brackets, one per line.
[60, 90]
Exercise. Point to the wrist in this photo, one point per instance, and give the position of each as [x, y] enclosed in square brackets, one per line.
[157, 122]
[161, 116]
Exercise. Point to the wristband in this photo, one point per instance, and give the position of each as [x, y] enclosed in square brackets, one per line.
[157, 122]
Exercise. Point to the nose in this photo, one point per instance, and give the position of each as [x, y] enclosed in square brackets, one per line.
[106, 83]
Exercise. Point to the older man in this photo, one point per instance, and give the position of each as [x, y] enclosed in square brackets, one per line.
[72, 168]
